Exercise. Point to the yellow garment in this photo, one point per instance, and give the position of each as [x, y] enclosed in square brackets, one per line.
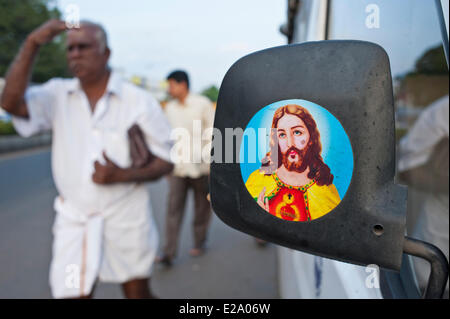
[321, 199]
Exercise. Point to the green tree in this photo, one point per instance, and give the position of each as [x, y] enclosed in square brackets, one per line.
[212, 93]
[17, 20]
[432, 62]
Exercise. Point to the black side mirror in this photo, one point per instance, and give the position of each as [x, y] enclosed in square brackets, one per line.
[351, 81]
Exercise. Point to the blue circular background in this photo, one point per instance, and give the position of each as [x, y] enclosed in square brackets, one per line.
[336, 148]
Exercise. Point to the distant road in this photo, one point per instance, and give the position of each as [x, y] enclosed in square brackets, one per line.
[234, 267]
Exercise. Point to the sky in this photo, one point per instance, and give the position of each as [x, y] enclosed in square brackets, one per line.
[153, 38]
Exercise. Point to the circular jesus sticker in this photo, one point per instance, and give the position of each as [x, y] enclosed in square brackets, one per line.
[296, 160]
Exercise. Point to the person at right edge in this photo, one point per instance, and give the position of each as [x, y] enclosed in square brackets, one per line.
[194, 114]
[424, 166]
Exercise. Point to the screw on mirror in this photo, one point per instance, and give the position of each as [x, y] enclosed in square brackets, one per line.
[378, 229]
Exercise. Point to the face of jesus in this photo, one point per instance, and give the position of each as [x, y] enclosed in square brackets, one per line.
[293, 138]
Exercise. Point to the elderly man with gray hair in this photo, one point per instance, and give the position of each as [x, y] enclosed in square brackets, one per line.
[104, 228]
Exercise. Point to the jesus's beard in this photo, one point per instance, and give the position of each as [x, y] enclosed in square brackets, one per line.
[298, 166]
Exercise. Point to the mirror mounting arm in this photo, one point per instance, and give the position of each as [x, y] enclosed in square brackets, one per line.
[439, 265]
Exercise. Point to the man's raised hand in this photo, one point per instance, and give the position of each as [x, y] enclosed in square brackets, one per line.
[47, 31]
[17, 78]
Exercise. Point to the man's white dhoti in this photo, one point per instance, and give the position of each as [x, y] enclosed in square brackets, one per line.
[104, 232]
[114, 246]
[76, 250]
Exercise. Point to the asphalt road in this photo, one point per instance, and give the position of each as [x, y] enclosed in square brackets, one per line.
[233, 267]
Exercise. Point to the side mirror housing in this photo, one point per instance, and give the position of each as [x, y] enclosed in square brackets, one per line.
[351, 81]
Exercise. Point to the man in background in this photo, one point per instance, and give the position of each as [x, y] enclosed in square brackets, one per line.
[104, 228]
[424, 166]
[194, 114]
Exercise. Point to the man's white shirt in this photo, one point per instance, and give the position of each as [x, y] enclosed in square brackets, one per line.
[193, 120]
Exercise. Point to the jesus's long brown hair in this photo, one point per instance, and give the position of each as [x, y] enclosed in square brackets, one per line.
[318, 170]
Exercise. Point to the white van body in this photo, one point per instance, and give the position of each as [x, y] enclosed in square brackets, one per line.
[304, 275]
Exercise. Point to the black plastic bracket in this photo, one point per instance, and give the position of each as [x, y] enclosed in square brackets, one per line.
[439, 265]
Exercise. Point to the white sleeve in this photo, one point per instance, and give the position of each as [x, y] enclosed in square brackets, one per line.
[156, 127]
[208, 114]
[431, 126]
[40, 101]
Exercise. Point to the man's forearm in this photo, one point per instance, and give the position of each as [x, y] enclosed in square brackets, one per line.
[423, 179]
[17, 78]
[156, 169]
